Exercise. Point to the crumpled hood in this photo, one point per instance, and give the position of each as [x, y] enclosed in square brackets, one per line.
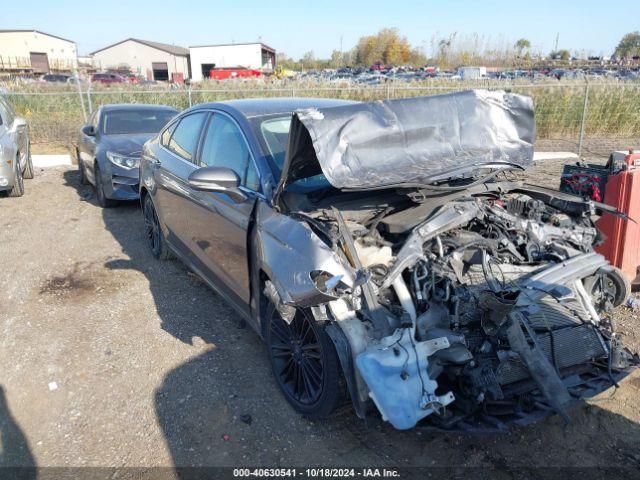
[126, 144]
[415, 140]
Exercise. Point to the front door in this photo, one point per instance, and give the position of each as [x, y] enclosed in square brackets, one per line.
[219, 224]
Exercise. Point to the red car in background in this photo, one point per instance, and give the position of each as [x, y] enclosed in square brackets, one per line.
[224, 73]
[107, 78]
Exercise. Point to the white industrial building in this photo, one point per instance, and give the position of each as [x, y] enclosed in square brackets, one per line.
[257, 56]
[152, 60]
[32, 51]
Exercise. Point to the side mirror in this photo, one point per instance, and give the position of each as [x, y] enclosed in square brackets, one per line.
[19, 122]
[217, 179]
[89, 131]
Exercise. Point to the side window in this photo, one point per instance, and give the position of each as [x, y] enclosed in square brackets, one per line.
[184, 140]
[166, 135]
[224, 146]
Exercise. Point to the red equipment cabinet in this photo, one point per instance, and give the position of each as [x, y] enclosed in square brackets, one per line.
[622, 244]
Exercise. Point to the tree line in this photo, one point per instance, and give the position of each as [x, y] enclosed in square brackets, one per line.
[389, 47]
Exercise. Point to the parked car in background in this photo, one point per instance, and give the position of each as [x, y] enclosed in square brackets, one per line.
[107, 78]
[386, 266]
[15, 151]
[109, 147]
[55, 78]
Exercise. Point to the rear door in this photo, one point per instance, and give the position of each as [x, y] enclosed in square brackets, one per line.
[219, 224]
[175, 161]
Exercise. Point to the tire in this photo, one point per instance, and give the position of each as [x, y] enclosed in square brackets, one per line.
[18, 186]
[616, 284]
[81, 171]
[103, 201]
[29, 172]
[153, 232]
[304, 363]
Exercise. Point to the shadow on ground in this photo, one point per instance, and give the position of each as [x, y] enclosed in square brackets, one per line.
[222, 407]
[16, 459]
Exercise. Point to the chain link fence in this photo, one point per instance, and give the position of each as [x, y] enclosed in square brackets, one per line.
[590, 119]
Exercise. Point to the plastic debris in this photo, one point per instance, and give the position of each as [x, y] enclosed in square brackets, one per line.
[633, 303]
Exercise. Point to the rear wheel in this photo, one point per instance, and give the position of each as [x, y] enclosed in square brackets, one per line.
[18, 186]
[102, 198]
[153, 232]
[305, 363]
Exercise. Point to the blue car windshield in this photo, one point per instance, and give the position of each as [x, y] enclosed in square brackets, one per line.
[274, 131]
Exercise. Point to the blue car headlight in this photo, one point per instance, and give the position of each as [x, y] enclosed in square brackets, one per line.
[123, 160]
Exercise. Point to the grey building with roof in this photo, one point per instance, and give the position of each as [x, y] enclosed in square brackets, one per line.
[152, 60]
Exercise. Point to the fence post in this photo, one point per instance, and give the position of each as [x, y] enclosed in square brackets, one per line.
[293, 93]
[388, 90]
[89, 99]
[583, 123]
[189, 90]
[84, 111]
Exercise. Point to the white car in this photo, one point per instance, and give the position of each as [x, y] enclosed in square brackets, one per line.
[15, 154]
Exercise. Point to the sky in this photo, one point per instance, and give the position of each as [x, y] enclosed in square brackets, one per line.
[321, 26]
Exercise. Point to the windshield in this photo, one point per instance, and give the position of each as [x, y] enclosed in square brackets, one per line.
[135, 121]
[274, 133]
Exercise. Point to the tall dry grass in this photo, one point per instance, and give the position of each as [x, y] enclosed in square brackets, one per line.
[55, 113]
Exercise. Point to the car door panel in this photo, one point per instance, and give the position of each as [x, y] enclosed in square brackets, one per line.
[219, 224]
[219, 227]
[172, 167]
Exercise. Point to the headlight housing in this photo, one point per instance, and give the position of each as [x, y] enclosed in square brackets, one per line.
[123, 160]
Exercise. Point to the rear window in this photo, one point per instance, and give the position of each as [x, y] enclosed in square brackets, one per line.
[135, 121]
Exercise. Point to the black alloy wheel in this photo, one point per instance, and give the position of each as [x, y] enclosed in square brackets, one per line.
[152, 230]
[305, 363]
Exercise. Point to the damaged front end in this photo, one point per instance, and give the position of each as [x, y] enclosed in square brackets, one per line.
[469, 305]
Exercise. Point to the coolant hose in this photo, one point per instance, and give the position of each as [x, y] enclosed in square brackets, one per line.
[405, 297]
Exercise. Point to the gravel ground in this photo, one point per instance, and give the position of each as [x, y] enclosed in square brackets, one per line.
[111, 358]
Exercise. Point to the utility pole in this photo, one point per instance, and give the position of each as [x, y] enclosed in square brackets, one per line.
[557, 38]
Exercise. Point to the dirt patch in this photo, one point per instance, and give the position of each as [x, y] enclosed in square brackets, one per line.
[84, 279]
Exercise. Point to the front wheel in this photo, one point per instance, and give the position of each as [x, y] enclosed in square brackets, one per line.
[82, 172]
[102, 197]
[305, 363]
[29, 171]
[18, 186]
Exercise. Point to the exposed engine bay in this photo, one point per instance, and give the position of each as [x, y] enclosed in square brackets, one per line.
[453, 293]
[489, 312]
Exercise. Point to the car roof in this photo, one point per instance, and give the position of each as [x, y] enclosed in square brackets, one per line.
[135, 106]
[257, 107]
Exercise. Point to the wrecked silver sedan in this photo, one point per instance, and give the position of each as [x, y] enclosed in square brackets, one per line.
[388, 254]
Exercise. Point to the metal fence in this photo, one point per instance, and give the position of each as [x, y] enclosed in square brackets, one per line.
[587, 118]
